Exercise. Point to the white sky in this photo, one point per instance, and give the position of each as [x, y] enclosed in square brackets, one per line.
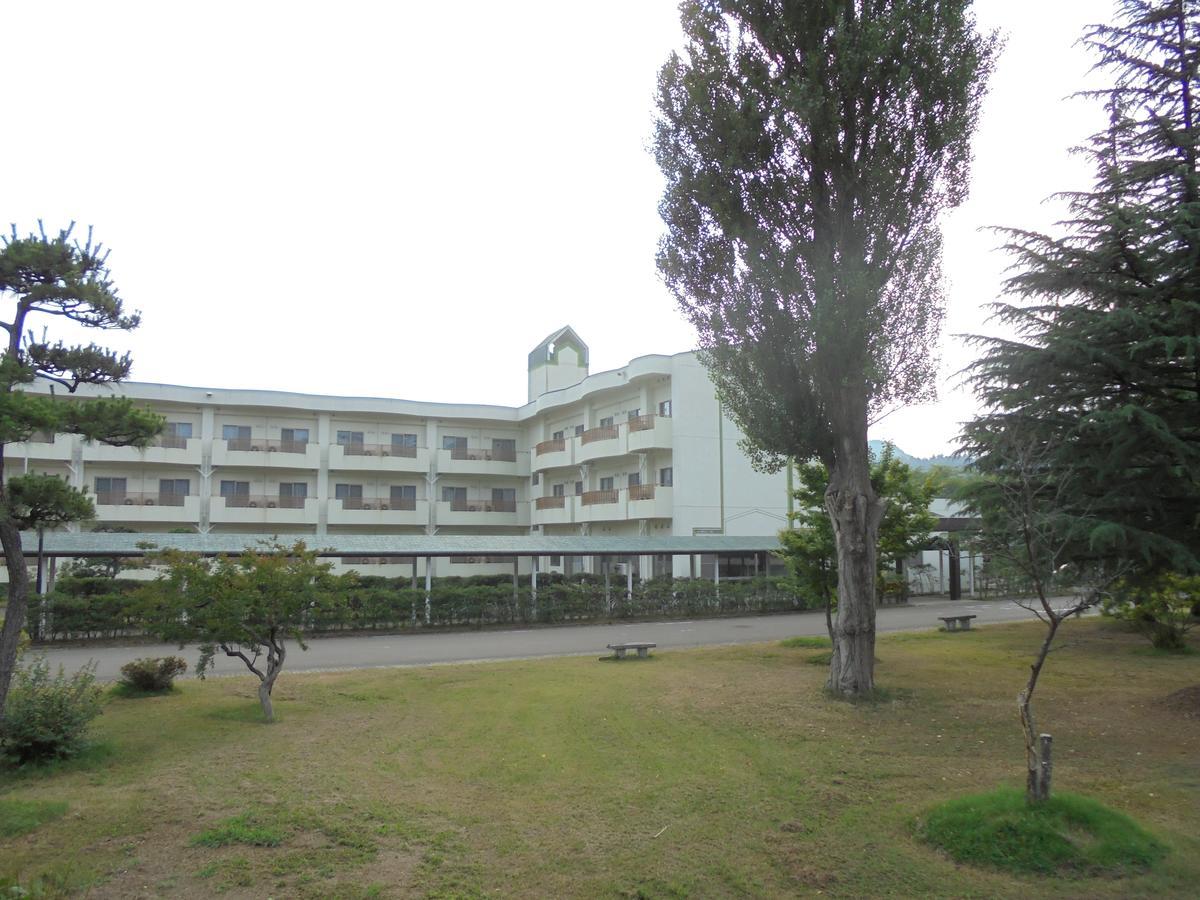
[402, 199]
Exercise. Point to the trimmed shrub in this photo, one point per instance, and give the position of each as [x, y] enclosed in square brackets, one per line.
[152, 674]
[47, 717]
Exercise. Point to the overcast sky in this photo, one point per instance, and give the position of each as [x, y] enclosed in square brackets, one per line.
[402, 199]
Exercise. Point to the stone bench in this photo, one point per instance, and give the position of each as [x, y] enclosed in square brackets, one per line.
[957, 623]
[642, 648]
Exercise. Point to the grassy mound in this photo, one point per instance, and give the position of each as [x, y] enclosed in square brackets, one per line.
[1068, 834]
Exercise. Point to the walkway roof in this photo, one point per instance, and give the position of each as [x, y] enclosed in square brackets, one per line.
[444, 545]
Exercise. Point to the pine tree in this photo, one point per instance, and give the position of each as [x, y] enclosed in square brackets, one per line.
[809, 148]
[1101, 382]
[59, 277]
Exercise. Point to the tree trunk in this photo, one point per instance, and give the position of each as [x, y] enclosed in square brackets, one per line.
[855, 512]
[18, 601]
[264, 696]
[1037, 748]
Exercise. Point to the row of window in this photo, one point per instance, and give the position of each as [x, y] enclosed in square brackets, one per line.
[109, 488]
[666, 478]
[664, 409]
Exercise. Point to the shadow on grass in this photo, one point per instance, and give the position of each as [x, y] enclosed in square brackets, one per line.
[123, 691]
[94, 756]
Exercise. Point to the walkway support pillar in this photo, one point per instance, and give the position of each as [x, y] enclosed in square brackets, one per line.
[428, 590]
[533, 588]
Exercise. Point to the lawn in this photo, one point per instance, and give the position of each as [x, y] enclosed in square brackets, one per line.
[722, 772]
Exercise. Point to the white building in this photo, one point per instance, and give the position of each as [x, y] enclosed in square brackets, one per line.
[641, 450]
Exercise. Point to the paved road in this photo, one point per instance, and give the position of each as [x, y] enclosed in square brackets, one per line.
[422, 649]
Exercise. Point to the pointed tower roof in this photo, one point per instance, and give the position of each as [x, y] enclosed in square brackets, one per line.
[545, 352]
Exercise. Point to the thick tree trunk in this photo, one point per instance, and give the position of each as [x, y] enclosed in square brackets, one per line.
[855, 512]
[276, 653]
[18, 601]
[264, 697]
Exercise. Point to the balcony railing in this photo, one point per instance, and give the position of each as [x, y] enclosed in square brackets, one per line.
[266, 445]
[253, 501]
[479, 453]
[503, 506]
[641, 423]
[402, 503]
[604, 433]
[558, 502]
[641, 492]
[592, 498]
[554, 445]
[170, 442]
[478, 560]
[378, 450]
[138, 498]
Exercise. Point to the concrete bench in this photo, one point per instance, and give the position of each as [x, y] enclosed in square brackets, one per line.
[642, 648]
[957, 623]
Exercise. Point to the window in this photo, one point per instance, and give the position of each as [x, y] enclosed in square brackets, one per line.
[666, 477]
[235, 488]
[171, 491]
[292, 494]
[578, 488]
[403, 496]
[606, 422]
[504, 499]
[404, 445]
[453, 442]
[558, 436]
[293, 439]
[110, 491]
[664, 408]
[633, 413]
[344, 491]
[236, 436]
[559, 490]
[504, 449]
[350, 438]
[606, 484]
[534, 478]
[634, 479]
[176, 434]
[455, 496]
[556, 560]
[578, 430]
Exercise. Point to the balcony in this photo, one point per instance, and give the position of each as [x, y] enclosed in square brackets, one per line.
[649, 501]
[600, 442]
[165, 449]
[272, 453]
[483, 512]
[480, 461]
[557, 510]
[554, 453]
[378, 458]
[601, 506]
[379, 511]
[648, 433]
[147, 506]
[263, 509]
[44, 446]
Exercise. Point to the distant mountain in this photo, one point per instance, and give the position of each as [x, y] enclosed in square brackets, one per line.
[919, 462]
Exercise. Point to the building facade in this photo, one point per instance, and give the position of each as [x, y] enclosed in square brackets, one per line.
[640, 450]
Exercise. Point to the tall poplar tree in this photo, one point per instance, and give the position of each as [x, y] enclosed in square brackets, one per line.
[56, 276]
[809, 147]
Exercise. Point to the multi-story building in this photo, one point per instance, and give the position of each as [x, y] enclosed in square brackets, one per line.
[640, 450]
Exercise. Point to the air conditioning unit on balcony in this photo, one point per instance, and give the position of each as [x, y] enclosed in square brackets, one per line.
[383, 506]
[253, 504]
[256, 447]
[128, 501]
[148, 502]
[271, 505]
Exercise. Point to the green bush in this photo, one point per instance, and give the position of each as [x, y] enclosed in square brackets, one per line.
[152, 673]
[1162, 607]
[47, 717]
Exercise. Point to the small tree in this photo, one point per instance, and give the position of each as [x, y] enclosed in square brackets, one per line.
[809, 547]
[1031, 521]
[809, 150]
[60, 277]
[244, 606]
